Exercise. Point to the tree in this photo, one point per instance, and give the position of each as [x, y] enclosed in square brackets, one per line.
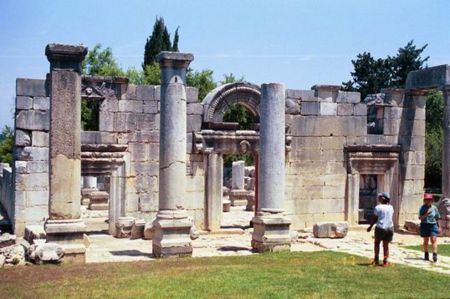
[434, 139]
[101, 62]
[203, 80]
[6, 145]
[158, 41]
[370, 74]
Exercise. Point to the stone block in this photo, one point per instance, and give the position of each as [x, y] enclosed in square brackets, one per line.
[106, 121]
[348, 97]
[145, 92]
[292, 106]
[23, 138]
[158, 93]
[40, 139]
[124, 226]
[195, 108]
[33, 198]
[151, 107]
[139, 152]
[41, 103]
[32, 181]
[311, 126]
[360, 110]
[37, 166]
[330, 229]
[194, 123]
[293, 93]
[24, 103]
[33, 232]
[344, 109]
[31, 153]
[154, 152]
[192, 95]
[327, 108]
[146, 122]
[109, 105]
[393, 112]
[271, 233]
[33, 120]
[46, 253]
[31, 87]
[7, 240]
[137, 231]
[131, 106]
[310, 108]
[125, 122]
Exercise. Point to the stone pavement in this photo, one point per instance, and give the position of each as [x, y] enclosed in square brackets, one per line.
[105, 248]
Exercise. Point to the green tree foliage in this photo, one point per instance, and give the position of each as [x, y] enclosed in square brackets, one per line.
[6, 145]
[370, 74]
[203, 80]
[158, 41]
[101, 62]
[434, 139]
[152, 74]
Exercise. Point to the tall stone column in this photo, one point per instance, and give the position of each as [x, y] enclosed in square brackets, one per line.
[90, 182]
[270, 226]
[172, 225]
[214, 191]
[64, 225]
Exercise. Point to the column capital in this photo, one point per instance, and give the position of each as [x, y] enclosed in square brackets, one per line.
[65, 56]
[174, 60]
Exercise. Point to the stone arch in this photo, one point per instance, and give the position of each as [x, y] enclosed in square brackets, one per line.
[219, 99]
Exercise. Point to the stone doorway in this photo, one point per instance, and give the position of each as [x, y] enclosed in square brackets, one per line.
[370, 169]
[221, 136]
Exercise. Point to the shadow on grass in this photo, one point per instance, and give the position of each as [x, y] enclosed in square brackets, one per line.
[130, 253]
[233, 248]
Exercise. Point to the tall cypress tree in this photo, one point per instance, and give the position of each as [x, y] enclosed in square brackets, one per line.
[159, 41]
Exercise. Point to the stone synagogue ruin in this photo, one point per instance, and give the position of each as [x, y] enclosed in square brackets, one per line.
[153, 167]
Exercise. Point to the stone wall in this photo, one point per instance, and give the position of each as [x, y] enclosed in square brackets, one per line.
[316, 174]
[6, 190]
[31, 153]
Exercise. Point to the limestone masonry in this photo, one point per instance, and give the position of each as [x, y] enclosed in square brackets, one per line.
[157, 158]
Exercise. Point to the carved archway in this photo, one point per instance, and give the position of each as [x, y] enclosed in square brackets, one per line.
[216, 103]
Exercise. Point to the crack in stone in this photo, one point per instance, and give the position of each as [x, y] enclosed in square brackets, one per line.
[171, 163]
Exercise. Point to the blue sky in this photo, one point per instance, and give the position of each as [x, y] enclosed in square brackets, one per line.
[299, 43]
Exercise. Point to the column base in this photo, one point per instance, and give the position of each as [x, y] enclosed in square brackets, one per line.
[70, 235]
[171, 237]
[271, 233]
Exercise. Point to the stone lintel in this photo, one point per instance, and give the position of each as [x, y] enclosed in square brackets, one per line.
[168, 59]
[429, 78]
[392, 90]
[330, 88]
[65, 56]
[373, 148]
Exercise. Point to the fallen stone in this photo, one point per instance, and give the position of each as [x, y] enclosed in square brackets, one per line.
[194, 233]
[124, 226]
[137, 231]
[331, 230]
[33, 232]
[46, 253]
[294, 235]
[14, 255]
[226, 205]
[149, 231]
[7, 240]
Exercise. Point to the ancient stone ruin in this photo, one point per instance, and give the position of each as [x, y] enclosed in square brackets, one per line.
[154, 168]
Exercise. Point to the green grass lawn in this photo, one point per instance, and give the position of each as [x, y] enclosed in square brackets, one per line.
[276, 275]
[443, 249]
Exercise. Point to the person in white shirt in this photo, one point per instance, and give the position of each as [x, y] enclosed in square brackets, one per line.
[384, 230]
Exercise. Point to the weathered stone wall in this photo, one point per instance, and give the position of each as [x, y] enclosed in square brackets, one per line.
[6, 190]
[316, 172]
[31, 152]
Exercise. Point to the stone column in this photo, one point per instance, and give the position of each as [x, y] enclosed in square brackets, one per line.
[446, 149]
[64, 224]
[90, 182]
[270, 226]
[172, 225]
[237, 175]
